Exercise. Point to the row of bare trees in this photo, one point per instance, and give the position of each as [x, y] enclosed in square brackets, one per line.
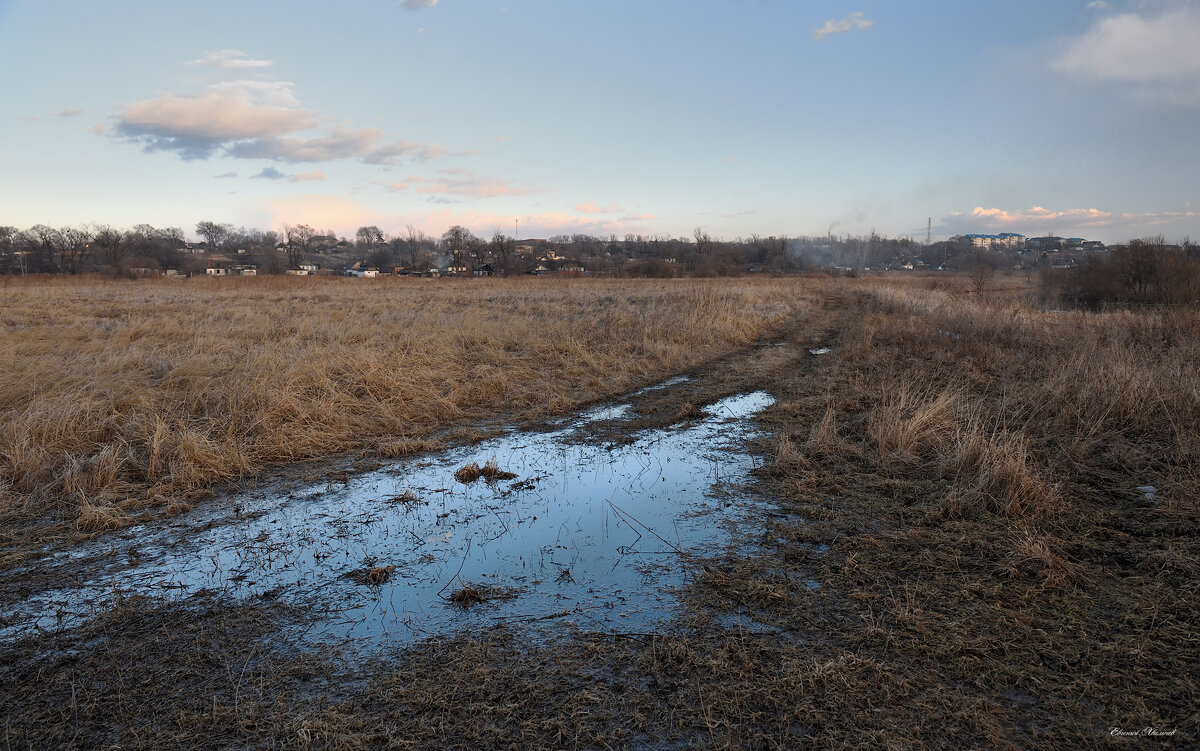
[1149, 271]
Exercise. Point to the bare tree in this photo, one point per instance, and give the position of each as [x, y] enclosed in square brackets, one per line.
[73, 249]
[369, 237]
[297, 236]
[980, 277]
[213, 233]
[114, 245]
[9, 248]
[414, 240]
[457, 241]
[1137, 265]
[42, 243]
[503, 248]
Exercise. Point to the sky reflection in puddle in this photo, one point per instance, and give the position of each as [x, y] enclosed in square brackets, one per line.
[586, 534]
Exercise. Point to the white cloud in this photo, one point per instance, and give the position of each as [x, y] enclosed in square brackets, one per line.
[856, 20]
[278, 93]
[1097, 5]
[230, 59]
[1158, 55]
[416, 4]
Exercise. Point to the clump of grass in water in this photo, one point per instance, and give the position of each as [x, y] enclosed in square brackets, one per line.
[491, 472]
[373, 576]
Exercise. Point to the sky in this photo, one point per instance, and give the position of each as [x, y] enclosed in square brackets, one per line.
[613, 117]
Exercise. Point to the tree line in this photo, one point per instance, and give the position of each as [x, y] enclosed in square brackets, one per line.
[1142, 271]
[1149, 271]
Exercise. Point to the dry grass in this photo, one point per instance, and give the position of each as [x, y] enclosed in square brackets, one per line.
[959, 479]
[118, 390]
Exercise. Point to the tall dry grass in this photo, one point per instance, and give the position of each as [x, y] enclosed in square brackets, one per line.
[1028, 412]
[115, 393]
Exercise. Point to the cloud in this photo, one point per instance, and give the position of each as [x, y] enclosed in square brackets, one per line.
[461, 183]
[637, 218]
[253, 119]
[1041, 219]
[1039, 215]
[592, 208]
[307, 177]
[1157, 55]
[100, 129]
[196, 127]
[70, 112]
[225, 175]
[278, 93]
[411, 5]
[230, 59]
[269, 173]
[1097, 5]
[856, 20]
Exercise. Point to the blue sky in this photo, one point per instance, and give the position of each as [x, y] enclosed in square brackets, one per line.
[760, 116]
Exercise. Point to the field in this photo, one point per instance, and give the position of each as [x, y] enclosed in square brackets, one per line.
[117, 397]
[980, 526]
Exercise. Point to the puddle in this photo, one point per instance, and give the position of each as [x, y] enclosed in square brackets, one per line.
[677, 380]
[597, 414]
[589, 535]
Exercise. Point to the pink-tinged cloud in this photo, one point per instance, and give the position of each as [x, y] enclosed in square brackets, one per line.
[70, 112]
[195, 127]
[1041, 219]
[345, 217]
[1040, 215]
[462, 183]
[307, 177]
[255, 120]
[637, 218]
[323, 212]
[592, 208]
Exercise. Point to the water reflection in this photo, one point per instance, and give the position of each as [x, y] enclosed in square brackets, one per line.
[592, 535]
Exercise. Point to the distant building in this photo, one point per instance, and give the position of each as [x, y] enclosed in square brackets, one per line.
[1009, 240]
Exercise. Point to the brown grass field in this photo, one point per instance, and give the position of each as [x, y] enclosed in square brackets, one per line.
[963, 555]
[116, 396]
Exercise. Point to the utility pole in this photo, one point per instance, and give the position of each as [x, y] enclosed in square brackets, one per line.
[516, 229]
[929, 231]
